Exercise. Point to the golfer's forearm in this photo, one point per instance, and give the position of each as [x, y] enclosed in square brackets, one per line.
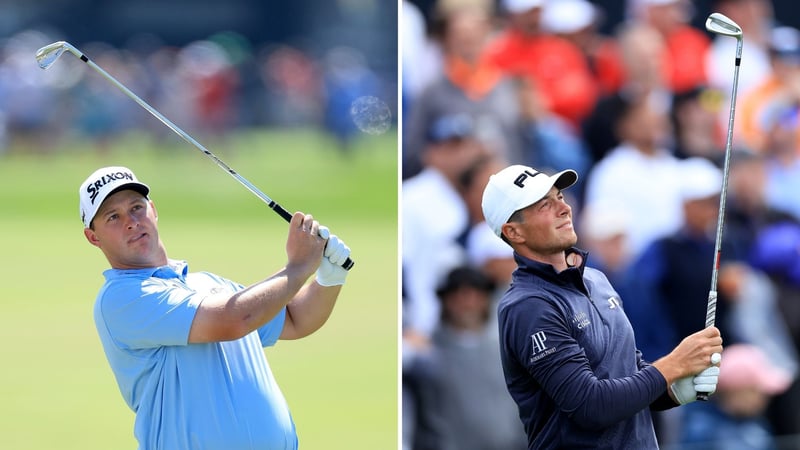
[669, 369]
[221, 318]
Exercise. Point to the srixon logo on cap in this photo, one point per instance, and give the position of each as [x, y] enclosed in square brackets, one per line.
[523, 176]
[94, 188]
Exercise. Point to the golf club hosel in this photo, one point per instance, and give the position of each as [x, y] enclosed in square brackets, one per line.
[739, 45]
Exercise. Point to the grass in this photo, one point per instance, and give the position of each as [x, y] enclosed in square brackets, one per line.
[341, 383]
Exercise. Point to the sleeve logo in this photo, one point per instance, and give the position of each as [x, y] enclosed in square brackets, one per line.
[539, 347]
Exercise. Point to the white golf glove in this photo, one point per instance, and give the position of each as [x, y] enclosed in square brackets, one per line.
[706, 381]
[685, 389]
[330, 271]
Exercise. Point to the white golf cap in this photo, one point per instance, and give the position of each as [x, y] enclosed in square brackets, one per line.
[517, 187]
[568, 16]
[520, 6]
[102, 183]
[700, 179]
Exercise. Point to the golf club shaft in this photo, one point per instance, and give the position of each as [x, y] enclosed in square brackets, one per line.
[711, 307]
[348, 264]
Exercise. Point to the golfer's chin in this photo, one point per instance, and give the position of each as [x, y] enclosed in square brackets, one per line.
[569, 239]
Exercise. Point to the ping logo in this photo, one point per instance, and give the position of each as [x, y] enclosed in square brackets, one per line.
[523, 176]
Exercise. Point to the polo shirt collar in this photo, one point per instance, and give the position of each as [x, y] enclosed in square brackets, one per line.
[173, 269]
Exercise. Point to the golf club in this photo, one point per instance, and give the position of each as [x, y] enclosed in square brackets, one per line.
[720, 24]
[49, 54]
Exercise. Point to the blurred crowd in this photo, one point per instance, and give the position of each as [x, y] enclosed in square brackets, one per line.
[207, 87]
[641, 114]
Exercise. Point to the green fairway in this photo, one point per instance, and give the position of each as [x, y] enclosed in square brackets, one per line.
[341, 383]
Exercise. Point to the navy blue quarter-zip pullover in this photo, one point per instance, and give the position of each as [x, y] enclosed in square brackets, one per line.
[571, 363]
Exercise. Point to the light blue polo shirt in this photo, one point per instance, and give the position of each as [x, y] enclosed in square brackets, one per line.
[220, 395]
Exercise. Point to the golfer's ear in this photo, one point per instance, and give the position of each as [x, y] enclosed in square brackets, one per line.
[153, 205]
[91, 236]
[511, 232]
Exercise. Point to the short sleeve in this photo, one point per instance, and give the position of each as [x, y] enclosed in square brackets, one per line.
[154, 313]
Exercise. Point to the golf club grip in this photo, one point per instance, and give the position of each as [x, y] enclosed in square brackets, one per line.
[346, 265]
[711, 313]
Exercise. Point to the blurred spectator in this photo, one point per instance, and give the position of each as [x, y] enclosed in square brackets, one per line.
[603, 233]
[686, 46]
[468, 85]
[463, 367]
[346, 77]
[291, 81]
[578, 21]
[759, 316]
[423, 420]
[420, 57]
[777, 252]
[779, 91]
[746, 208]
[27, 106]
[434, 217]
[100, 113]
[483, 250]
[209, 80]
[734, 418]
[557, 68]
[695, 123]
[641, 175]
[642, 52]
[782, 161]
[548, 141]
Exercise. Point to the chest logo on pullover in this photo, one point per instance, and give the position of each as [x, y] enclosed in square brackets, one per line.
[581, 320]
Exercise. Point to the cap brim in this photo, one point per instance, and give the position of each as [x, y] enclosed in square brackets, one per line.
[565, 179]
[138, 187]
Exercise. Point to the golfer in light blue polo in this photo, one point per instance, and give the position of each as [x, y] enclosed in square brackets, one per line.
[186, 348]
